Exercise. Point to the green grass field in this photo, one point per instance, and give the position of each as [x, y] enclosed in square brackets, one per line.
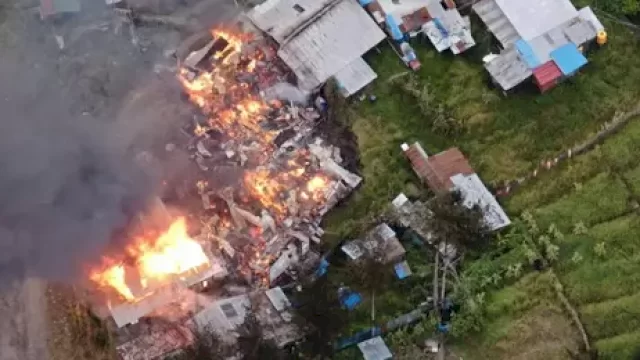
[505, 138]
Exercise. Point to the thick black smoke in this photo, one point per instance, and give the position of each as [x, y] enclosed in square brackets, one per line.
[68, 179]
[66, 184]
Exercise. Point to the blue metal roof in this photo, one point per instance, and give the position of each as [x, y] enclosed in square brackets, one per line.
[568, 58]
[393, 27]
[402, 270]
[527, 53]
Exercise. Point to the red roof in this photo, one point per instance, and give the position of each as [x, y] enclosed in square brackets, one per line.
[546, 75]
[436, 171]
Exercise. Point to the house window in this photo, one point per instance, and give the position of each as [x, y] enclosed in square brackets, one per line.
[228, 310]
[298, 8]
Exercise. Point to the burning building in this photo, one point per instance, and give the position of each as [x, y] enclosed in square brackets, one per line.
[252, 230]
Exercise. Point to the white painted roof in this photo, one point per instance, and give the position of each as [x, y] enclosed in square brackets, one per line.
[402, 8]
[278, 299]
[326, 45]
[587, 14]
[534, 18]
[279, 18]
[130, 312]
[375, 349]
[355, 76]
[474, 193]
[225, 315]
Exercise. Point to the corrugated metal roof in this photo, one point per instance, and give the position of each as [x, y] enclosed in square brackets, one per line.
[544, 44]
[375, 349]
[224, 315]
[569, 59]
[279, 18]
[495, 20]
[580, 31]
[436, 171]
[355, 76]
[449, 31]
[401, 8]
[381, 237]
[534, 18]
[475, 193]
[587, 14]
[129, 313]
[527, 54]
[508, 69]
[547, 75]
[331, 42]
[278, 299]
[459, 31]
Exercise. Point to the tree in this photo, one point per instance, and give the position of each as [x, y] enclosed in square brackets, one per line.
[452, 222]
[580, 228]
[370, 273]
[576, 258]
[252, 342]
[621, 7]
[552, 252]
[321, 316]
[600, 250]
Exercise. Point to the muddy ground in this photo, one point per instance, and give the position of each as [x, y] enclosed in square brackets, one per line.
[84, 68]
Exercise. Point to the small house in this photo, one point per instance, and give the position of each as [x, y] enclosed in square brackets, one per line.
[381, 238]
[321, 39]
[271, 308]
[542, 41]
[450, 171]
[438, 20]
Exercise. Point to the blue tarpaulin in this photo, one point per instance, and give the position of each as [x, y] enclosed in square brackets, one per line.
[322, 268]
[402, 270]
[393, 27]
[441, 28]
[526, 51]
[568, 58]
[348, 298]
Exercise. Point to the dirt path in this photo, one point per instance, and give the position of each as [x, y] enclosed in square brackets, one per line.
[23, 333]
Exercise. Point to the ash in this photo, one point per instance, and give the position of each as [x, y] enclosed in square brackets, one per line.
[259, 182]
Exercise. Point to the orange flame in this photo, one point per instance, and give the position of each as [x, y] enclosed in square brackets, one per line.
[171, 254]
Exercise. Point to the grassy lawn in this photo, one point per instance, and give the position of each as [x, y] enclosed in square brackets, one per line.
[599, 199]
[505, 138]
[619, 151]
[621, 347]
[525, 323]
